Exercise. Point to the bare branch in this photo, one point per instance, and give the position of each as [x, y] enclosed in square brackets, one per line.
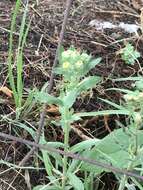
[72, 155]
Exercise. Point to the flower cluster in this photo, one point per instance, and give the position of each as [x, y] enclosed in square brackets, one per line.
[138, 118]
[74, 65]
[129, 54]
[134, 101]
[136, 96]
[74, 60]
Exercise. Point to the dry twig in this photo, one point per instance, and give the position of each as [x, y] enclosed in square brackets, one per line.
[72, 155]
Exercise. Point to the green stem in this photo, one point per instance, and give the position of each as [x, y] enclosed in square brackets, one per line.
[122, 184]
[66, 147]
[134, 151]
[124, 178]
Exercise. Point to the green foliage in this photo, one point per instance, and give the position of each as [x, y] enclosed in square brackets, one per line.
[73, 66]
[85, 84]
[44, 97]
[120, 148]
[129, 54]
[127, 143]
[139, 84]
[131, 154]
[46, 187]
[17, 85]
[116, 149]
[75, 181]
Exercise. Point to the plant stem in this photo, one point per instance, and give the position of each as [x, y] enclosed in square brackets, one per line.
[122, 184]
[66, 146]
[124, 178]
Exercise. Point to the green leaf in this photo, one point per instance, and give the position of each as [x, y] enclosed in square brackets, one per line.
[128, 78]
[46, 187]
[84, 85]
[114, 149]
[91, 168]
[46, 158]
[121, 158]
[90, 66]
[26, 128]
[113, 104]
[10, 53]
[84, 145]
[22, 27]
[70, 98]
[139, 84]
[120, 90]
[87, 83]
[46, 154]
[75, 182]
[74, 165]
[102, 113]
[44, 97]
[94, 62]
[129, 54]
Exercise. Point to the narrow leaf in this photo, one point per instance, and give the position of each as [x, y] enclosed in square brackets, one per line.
[46, 187]
[84, 85]
[113, 104]
[44, 97]
[102, 113]
[75, 182]
[88, 83]
[94, 62]
[84, 145]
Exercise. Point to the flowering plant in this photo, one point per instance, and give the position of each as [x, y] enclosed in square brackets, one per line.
[73, 67]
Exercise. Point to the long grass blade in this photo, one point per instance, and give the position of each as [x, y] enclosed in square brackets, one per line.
[21, 43]
[102, 113]
[10, 68]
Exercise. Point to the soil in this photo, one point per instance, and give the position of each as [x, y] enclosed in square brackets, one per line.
[46, 23]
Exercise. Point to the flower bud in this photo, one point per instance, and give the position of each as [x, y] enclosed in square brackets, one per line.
[138, 118]
[66, 65]
[79, 64]
[66, 54]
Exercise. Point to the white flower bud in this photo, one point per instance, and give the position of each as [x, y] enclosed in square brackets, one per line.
[138, 118]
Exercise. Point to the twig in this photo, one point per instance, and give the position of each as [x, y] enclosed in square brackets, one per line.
[8, 31]
[116, 12]
[42, 116]
[72, 155]
[80, 133]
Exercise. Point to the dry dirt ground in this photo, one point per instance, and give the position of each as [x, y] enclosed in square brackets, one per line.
[46, 24]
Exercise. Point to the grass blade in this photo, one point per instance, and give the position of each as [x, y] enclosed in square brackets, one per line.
[10, 53]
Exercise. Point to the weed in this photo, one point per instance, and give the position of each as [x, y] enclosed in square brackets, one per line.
[129, 54]
[73, 66]
[126, 143]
